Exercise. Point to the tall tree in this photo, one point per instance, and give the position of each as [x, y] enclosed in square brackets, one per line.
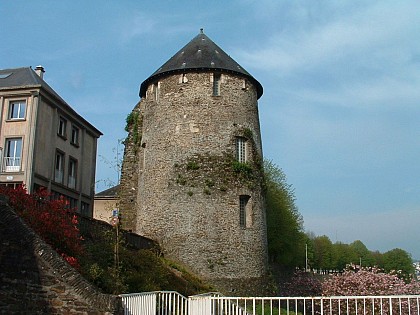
[343, 255]
[365, 257]
[286, 239]
[400, 261]
[323, 253]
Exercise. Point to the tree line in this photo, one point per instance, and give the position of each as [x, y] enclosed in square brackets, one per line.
[325, 255]
[290, 247]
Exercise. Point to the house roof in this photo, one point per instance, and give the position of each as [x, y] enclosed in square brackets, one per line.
[200, 54]
[19, 77]
[26, 77]
[110, 192]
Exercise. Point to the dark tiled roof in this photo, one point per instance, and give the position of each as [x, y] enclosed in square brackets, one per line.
[27, 78]
[23, 77]
[110, 192]
[202, 54]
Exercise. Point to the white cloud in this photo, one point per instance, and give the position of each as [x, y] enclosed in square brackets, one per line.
[364, 34]
[135, 25]
[151, 28]
[368, 94]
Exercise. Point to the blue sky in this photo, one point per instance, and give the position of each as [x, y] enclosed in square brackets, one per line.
[340, 112]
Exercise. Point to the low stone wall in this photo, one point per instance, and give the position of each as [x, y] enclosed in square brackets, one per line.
[93, 229]
[34, 279]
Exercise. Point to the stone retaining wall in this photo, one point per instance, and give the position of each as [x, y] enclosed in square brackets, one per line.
[34, 279]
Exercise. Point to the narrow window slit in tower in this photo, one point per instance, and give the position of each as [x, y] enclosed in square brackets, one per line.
[183, 78]
[243, 207]
[216, 84]
[156, 91]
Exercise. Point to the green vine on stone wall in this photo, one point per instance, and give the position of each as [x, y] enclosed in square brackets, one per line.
[181, 180]
[133, 122]
[131, 119]
[214, 173]
[248, 133]
[193, 165]
[209, 183]
[242, 168]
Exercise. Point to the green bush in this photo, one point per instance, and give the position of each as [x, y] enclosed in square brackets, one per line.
[137, 270]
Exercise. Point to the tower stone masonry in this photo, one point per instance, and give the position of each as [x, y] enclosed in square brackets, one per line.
[192, 175]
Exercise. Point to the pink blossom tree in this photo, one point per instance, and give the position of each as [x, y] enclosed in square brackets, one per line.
[368, 281]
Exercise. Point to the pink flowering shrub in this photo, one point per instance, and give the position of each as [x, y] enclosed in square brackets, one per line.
[53, 220]
[368, 281]
[356, 280]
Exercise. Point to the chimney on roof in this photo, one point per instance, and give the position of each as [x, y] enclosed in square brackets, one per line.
[40, 71]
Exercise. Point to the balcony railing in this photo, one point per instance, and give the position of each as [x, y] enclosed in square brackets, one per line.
[11, 164]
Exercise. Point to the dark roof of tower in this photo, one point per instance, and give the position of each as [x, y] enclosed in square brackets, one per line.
[201, 54]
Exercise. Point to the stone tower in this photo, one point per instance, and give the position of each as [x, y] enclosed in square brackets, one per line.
[192, 170]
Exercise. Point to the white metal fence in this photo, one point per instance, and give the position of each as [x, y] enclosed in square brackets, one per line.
[357, 305]
[214, 303]
[173, 303]
[155, 303]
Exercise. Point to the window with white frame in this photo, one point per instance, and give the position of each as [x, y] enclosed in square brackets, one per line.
[74, 135]
[59, 167]
[17, 110]
[71, 183]
[216, 84]
[241, 144]
[62, 125]
[13, 155]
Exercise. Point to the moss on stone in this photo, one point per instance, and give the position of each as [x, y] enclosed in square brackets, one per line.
[217, 172]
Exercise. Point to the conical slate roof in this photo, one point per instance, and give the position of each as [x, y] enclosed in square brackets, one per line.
[200, 54]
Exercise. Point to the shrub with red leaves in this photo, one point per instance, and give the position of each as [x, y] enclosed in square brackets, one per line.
[53, 220]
